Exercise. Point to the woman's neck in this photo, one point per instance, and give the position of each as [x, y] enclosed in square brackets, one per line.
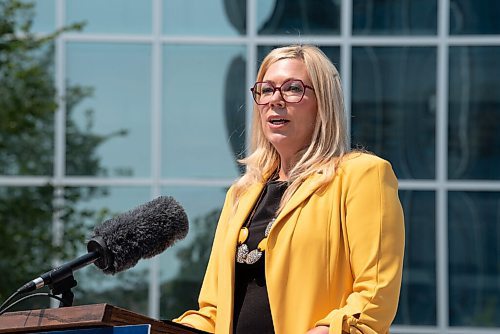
[282, 176]
[286, 165]
[288, 160]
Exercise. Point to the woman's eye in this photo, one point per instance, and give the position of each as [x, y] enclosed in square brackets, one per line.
[267, 90]
[294, 88]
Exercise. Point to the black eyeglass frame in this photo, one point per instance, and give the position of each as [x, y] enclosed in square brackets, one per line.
[255, 93]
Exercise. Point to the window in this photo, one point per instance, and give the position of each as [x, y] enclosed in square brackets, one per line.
[156, 102]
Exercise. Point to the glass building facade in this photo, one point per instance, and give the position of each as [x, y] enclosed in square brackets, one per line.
[169, 83]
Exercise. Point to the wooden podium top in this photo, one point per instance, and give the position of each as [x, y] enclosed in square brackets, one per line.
[86, 316]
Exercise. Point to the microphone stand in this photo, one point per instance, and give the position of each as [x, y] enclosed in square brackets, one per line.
[61, 280]
[60, 287]
[63, 288]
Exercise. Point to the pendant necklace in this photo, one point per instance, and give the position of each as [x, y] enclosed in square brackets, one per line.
[243, 254]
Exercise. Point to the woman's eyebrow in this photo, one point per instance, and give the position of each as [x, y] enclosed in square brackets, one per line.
[287, 79]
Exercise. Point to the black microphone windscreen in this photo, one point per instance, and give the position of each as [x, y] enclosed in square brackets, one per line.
[143, 232]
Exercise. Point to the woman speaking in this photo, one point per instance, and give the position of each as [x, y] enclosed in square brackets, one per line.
[311, 237]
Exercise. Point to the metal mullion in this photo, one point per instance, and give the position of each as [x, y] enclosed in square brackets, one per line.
[203, 40]
[25, 181]
[455, 185]
[346, 60]
[441, 169]
[108, 38]
[404, 184]
[84, 181]
[102, 181]
[286, 39]
[221, 183]
[251, 66]
[60, 115]
[417, 184]
[354, 40]
[154, 293]
[59, 136]
[474, 40]
[473, 185]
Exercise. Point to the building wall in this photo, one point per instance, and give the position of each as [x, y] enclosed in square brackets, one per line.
[172, 79]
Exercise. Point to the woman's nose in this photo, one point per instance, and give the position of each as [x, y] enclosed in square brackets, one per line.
[277, 99]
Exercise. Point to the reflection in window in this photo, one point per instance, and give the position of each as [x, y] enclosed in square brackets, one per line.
[26, 241]
[394, 17]
[111, 16]
[474, 111]
[203, 111]
[474, 257]
[393, 106]
[44, 20]
[27, 105]
[417, 303]
[116, 109]
[474, 17]
[183, 266]
[204, 18]
[298, 17]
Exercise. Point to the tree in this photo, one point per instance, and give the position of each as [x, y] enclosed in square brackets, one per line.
[182, 291]
[28, 102]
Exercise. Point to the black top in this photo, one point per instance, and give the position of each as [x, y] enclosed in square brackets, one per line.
[252, 313]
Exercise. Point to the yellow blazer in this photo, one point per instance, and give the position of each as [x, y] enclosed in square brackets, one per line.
[334, 257]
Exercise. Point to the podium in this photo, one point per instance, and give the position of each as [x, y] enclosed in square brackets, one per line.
[84, 317]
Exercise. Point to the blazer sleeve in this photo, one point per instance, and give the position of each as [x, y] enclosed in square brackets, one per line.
[205, 318]
[373, 227]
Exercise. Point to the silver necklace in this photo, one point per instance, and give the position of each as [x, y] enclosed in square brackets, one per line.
[243, 255]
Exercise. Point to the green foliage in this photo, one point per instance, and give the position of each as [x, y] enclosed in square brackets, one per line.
[181, 293]
[28, 103]
[27, 95]
[131, 292]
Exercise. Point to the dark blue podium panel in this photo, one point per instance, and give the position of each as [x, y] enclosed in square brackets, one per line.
[133, 329]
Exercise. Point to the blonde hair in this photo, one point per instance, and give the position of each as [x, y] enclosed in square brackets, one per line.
[330, 137]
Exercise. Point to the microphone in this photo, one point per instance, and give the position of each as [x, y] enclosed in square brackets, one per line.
[120, 242]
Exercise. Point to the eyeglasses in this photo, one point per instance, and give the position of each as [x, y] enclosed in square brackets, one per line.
[292, 91]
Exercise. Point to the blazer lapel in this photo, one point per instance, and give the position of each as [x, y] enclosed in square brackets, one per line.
[247, 202]
[301, 194]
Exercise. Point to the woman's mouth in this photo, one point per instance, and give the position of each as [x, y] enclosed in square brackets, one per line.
[279, 121]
